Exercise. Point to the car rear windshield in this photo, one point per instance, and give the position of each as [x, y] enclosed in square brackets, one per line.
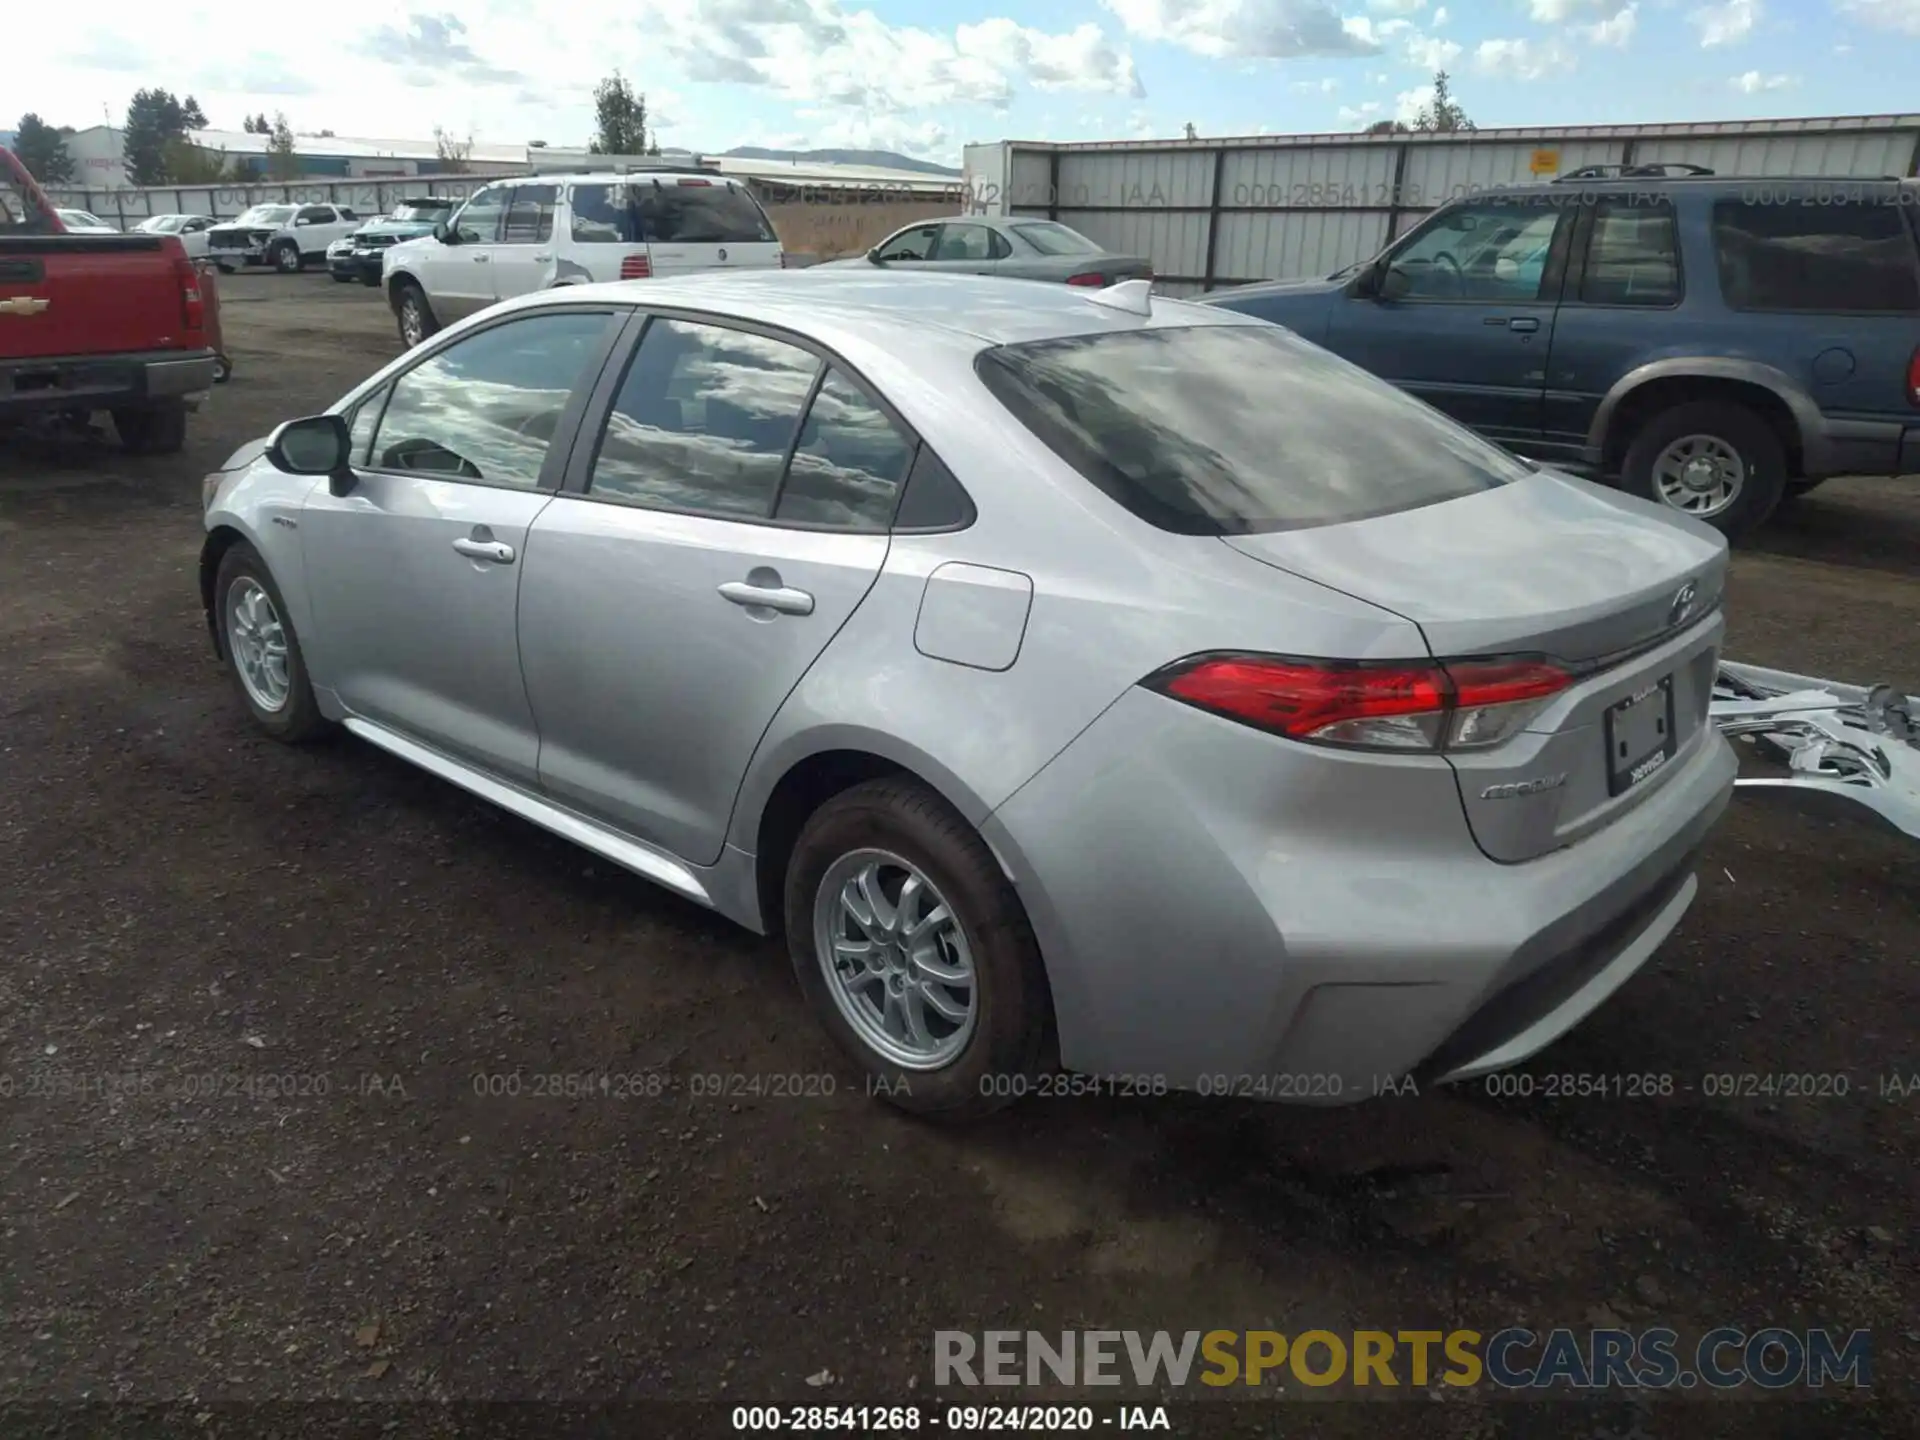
[705, 212]
[1051, 238]
[1236, 429]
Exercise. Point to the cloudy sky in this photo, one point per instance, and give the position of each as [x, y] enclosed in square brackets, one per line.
[926, 76]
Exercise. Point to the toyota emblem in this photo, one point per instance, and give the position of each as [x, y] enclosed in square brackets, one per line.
[1682, 603]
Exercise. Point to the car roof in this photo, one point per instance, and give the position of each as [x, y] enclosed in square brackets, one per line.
[1716, 185]
[989, 309]
[613, 177]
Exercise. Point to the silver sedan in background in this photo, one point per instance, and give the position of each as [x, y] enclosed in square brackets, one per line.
[1075, 678]
[1013, 248]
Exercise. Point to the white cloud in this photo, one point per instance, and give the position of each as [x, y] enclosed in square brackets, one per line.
[1269, 29]
[1616, 30]
[1397, 7]
[1430, 52]
[1753, 82]
[1522, 59]
[1364, 113]
[1439, 17]
[1898, 15]
[1080, 59]
[1408, 104]
[1315, 87]
[1729, 23]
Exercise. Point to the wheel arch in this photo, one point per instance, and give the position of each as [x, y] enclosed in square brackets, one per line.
[1651, 388]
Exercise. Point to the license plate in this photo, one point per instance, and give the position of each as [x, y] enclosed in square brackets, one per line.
[1640, 735]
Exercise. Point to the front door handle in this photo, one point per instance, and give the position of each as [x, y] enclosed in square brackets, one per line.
[480, 259]
[774, 597]
[497, 551]
[543, 254]
[1525, 324]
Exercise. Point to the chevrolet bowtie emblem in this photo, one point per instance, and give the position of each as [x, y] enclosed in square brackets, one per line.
[23, 305]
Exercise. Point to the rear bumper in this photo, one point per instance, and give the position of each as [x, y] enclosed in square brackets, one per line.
[1862, 447]
[1224, 912]
[101, 382]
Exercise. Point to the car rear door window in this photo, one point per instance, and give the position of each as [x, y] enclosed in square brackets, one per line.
[1801, 255]
[964, 242]
[1633, 255]
[487, 406]
[1236, 429]
[529, 218]
[704, 421]
[847, 469]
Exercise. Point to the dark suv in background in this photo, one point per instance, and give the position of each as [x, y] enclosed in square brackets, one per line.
[1713, 343]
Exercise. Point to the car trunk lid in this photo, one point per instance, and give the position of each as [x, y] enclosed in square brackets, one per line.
[1623, 597]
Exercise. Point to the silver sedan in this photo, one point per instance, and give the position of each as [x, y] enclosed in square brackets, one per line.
[1074, 678]
[1011, 247]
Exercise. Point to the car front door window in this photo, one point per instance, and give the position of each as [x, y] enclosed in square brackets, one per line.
[913, 244]
[1490, 252]
[487, 407]
[478, 222]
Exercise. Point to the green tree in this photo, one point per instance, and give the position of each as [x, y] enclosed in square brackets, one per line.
[192, 117]
[283, 161]
[154, 117]
[1444, 114]
[1387, 127]
[43, 150]
[620, 119]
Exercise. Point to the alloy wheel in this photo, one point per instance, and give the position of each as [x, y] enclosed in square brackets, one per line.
[896, 959]
[257, 640]
[1701, 475]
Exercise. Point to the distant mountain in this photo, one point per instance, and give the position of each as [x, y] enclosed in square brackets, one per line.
[884, 159]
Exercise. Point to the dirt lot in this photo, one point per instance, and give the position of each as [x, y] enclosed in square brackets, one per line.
[251, 998]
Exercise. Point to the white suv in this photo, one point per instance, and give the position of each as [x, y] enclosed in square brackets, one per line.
[536, 232]
[286, 237]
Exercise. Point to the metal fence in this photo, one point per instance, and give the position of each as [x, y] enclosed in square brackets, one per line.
[1215, 213]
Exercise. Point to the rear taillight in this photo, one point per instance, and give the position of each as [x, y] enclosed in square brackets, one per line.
[1913, 378]
[636, 267]
[1098, 282]
[193, 305]
[1459, 705]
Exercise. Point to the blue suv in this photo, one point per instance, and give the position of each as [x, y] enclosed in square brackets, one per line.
[1713, 343]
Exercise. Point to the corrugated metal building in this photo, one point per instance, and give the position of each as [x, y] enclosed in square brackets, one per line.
[1212, 213]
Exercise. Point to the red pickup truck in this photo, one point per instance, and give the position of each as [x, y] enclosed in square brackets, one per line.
[97, 322]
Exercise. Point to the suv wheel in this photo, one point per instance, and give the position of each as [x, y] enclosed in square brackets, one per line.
[287, 258]
[914, 951]
[414, 314]
[259, 645]
[1712, 459]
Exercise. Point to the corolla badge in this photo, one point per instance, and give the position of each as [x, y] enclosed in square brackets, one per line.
[1682, 605]
[1514, 789]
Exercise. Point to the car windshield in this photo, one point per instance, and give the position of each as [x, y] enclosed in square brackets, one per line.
[266, 215]
[420, 210]
[1237, 429]
[1050, 237]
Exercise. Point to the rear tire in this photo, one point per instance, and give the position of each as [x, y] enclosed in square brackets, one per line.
[1729, 451]
[222, 369]
[223, 267]
[158, 429]
[412, 313]
[340, 279]
[895, 832]
[248, 607]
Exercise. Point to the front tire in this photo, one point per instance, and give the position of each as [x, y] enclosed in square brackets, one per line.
[1715, 460]
[914, 951]
[223, 267]
[261, 650]
[158, 429]
[287, 258]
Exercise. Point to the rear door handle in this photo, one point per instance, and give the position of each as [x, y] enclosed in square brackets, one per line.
[1525, 324]
[777, 597]
[543, 254]
[497, 551]
[480, 259]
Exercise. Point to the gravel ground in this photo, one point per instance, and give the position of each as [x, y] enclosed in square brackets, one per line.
[257, 1007]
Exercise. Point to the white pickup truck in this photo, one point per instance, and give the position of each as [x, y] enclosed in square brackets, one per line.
[286, 237]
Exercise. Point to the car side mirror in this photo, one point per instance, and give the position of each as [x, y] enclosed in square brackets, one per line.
[444, 233]
[317, 445]
[1393, 284]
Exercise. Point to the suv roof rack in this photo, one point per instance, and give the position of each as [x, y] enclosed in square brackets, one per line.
[1662, 170]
